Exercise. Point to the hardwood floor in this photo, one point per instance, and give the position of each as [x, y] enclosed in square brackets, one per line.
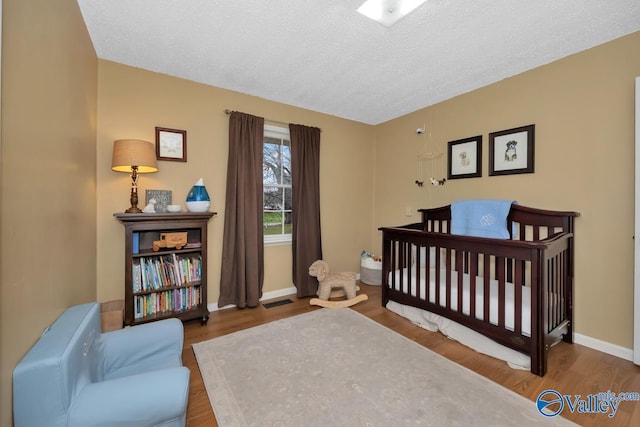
[572, 369]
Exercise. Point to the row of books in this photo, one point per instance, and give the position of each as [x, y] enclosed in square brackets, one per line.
[164, 271]
[166, 301]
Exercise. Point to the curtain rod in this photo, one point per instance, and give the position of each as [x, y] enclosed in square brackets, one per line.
[266, 120]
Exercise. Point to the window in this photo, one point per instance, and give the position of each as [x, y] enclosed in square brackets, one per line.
[276, 179]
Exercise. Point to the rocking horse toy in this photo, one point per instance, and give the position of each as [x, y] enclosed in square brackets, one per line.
[343, 283]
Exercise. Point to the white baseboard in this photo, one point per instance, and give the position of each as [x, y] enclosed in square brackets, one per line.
[265, 296]
[603, 346]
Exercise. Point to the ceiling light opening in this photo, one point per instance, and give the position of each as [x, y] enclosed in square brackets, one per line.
[388, 12]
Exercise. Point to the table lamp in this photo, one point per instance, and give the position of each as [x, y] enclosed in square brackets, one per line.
[134, 156]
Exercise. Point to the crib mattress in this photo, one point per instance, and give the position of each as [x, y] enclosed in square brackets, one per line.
[466, 297]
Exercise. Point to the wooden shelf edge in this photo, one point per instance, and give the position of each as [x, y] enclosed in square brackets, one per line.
[137, 217]
[185, 315]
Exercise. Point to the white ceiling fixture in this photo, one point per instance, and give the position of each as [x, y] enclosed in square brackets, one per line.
[388, 12]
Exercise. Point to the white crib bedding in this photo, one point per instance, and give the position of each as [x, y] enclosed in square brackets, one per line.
[468, 337]
[458, 332]
[466, 308]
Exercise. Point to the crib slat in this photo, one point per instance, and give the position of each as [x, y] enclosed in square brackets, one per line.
[473, 275]
[486, 278]
[448, 282]
[559, 288]
[551, 292]
[437, 287]
[401, 260]
[416, 265]
[460, 269]
[500, 273]
[393, 265]
[551, 300]
[517, 297]
[565, 285]
[427, 281]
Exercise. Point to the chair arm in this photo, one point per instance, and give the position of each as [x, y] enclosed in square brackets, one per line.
[139, 345]
[149, 399]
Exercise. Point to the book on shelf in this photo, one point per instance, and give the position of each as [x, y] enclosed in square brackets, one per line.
[178, 271]
[137, 277]
[135, 242]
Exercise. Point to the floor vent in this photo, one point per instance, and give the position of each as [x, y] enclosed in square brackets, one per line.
[277, 303]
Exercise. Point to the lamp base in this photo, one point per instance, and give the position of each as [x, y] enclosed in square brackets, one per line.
[133, 199]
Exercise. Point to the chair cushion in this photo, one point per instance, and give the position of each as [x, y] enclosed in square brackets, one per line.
[142, 348]
[143, 400]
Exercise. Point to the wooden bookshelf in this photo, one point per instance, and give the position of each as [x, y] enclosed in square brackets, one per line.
[170, 282]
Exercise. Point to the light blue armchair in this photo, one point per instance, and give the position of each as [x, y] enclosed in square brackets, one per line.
[76, 376]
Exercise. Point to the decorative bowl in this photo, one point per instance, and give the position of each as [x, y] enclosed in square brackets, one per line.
[201, 206]
[174, 208]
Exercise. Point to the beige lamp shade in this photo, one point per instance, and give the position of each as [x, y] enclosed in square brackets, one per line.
[134, 152]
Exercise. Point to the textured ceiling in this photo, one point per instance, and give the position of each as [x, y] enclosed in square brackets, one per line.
[324, 56]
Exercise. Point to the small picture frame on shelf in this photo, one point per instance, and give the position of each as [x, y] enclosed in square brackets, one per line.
[465, 158]
[512, 151]
[162, 199]
[171, 144]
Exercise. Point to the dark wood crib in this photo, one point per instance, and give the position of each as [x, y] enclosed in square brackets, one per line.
[528, 278]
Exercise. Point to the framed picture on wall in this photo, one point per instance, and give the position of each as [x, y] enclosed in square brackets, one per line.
[512, 151]
[465, 158]
[171, 144]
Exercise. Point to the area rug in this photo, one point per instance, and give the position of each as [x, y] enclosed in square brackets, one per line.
[336, 367]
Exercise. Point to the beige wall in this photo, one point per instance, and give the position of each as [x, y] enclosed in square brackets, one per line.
[583, 109]
[47, 221]
[56, 96]
[132, 102]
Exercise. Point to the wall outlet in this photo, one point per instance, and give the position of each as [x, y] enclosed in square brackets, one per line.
[408, 211]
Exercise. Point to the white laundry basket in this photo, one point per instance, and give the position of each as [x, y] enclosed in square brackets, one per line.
[371, 271]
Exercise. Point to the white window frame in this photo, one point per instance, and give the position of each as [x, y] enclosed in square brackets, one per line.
[277, 132]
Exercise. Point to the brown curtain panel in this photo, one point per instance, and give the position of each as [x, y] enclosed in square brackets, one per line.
[305, 176]
[242, 274]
